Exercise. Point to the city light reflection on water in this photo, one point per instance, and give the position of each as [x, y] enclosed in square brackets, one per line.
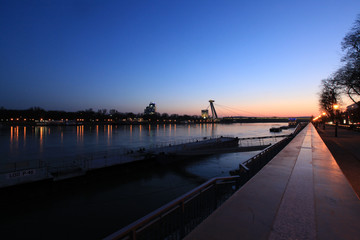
[109, 134]
[24, 136]
[122, 197]
[80, 134]
[54, 143]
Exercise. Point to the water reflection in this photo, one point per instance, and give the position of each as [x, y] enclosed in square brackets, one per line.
[24, 137]
[109, 134]
[80, 134]
[15, 135]
[208, 129]
[97, 133]
[11, 134]
[48, 142]
[14, 138]
[41, 139]
[40, 133]
[140, 130]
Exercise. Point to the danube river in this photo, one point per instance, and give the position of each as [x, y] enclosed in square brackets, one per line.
[95, 206]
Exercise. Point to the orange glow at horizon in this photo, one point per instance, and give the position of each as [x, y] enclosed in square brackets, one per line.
[260, 108]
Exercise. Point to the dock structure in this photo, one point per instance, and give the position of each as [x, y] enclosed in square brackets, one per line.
[300, 194]
[203, 147]
[16, 174]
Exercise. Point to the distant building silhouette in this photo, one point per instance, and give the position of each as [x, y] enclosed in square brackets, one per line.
[151, 109]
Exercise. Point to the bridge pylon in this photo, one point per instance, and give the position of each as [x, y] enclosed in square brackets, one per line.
[213, 111]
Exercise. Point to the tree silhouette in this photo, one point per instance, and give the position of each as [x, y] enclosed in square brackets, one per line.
[348, 76]
[346, 80]
[329, 95]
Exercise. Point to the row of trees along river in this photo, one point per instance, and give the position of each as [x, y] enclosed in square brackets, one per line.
[37, 115]
[344, 83]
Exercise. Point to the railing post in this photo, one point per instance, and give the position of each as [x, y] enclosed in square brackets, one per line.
[133, 234]
[215, 195]
[182, 220]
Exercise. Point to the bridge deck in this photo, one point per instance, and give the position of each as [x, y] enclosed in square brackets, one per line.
[300, 194]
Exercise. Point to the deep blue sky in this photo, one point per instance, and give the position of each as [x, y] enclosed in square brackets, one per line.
[256, 57]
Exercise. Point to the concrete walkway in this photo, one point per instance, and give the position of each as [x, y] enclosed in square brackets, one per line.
[346, 150]
[300, 194]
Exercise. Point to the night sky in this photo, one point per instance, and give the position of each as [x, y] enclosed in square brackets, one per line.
[260, 58]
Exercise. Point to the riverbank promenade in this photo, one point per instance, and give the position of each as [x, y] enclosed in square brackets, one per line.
[346, 150]
[300, 194]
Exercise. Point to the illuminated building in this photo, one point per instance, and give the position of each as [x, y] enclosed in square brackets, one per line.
[205, 114]
[151, 109]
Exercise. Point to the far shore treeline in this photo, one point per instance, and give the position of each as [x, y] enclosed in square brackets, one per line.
[39, 116]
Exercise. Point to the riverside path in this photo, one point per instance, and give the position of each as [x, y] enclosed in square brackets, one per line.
[300, 194]
[346, 150]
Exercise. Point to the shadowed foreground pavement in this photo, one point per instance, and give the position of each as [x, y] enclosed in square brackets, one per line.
[300, 194]
[346, 150]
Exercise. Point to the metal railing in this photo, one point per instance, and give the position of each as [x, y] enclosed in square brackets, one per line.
[84, 161]
[185, 141]
[264, 140]
[179, 217]
[253, 165]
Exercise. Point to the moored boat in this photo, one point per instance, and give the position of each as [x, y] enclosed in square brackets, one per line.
[275, 129]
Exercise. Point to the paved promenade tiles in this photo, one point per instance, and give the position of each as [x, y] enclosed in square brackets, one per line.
[346, 151]
[300, 194]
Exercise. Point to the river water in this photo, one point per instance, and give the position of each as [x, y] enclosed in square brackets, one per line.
[101, 204]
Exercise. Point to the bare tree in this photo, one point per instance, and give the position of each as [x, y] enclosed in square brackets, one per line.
[348, 76]
[351, 43]
[329, 95]
[348, 79]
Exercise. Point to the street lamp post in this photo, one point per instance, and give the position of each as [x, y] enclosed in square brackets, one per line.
[323, 120]
[336, 107]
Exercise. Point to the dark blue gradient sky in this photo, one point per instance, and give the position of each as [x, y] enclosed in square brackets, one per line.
[263, 58]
